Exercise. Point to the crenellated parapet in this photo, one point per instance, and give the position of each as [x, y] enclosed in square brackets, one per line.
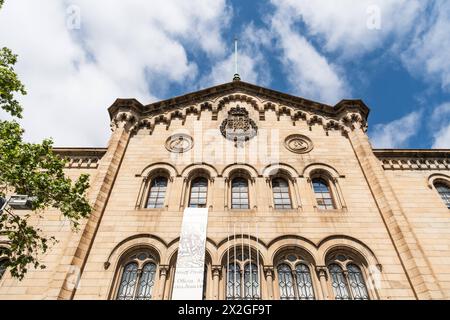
[345, 116]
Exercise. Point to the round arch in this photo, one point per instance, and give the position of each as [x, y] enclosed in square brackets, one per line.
[191, 169]
[231, 169]
[276, 168]
[152, 169]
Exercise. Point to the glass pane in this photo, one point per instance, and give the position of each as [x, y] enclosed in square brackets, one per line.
[2, 267]
[128, 282]
[251, 282]
[357, 283]
[338, 283]
[199, 189]
[444, 192]
[285, 282]
[233, 282]
[304, 282]
[157, 193]
[146, 282]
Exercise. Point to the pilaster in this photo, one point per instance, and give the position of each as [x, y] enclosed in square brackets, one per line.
[411, 255]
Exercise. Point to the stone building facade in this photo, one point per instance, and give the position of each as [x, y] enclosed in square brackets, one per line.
[300, 206]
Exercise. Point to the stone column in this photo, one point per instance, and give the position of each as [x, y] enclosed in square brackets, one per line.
[323, 275]
[269, 273]
[216, 270]
[163, 271]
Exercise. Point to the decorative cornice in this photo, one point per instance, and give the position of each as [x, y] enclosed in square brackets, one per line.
[413, 159]
[344, 116]
[83, 158]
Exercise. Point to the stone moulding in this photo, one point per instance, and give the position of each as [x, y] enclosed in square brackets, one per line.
[413, 159]
[87, 158]
[344, 116]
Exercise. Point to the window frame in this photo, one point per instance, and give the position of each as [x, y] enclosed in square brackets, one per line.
[290, 193]
[130, 258]
[327, 182]
[3, 265]
[241, 266]
[164, 205]
[446, 184]
[190, 186]
[247, 180]
[343, 264]
[301, 259]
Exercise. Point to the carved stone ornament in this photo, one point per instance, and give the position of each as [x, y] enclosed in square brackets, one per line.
[238, 127]
[179, 143]
[298, 143]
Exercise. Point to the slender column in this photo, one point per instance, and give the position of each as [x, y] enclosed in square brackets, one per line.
[323, 275]
[163, 271]
[269, 273]
[216, 270]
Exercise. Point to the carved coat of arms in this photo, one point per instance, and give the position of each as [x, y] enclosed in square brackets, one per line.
[238, 127]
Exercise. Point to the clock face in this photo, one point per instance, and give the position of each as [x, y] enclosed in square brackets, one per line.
[179, 143]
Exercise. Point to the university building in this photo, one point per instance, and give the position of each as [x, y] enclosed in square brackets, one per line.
[298, 206]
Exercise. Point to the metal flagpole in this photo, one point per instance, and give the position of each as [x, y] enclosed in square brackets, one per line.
[235, 56]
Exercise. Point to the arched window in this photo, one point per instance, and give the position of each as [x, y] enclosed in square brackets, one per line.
[338, 282]
[294, 279]
[3, 264]
[444, 192]
[281, 197]
[323, 194]
[239, 193]
[286, 282]
[347, 279]
[357, 283]
[138, 278]
[242, 279]
[157, 193]
[199, 191]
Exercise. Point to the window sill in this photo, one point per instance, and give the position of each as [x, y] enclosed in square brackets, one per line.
[152, 209]
[322, 211]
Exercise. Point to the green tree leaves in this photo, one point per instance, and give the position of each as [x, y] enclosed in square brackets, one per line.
[31, 169]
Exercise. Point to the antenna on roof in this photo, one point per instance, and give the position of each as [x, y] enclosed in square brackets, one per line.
[236, 76]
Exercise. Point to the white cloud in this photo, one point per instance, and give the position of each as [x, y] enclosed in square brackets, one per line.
[352, 27]
[397, 133]
[123, 49]
[428, 54]
[309, 72]
[440, 124]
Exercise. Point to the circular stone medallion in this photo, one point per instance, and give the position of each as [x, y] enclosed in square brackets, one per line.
[298, 143]
[179, 143]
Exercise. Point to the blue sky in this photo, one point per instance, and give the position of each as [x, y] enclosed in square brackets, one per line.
[77, 56]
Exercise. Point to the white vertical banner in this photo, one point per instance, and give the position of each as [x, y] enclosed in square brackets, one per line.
[189, 273]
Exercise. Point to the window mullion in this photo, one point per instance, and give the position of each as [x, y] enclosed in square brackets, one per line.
[295, 285]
